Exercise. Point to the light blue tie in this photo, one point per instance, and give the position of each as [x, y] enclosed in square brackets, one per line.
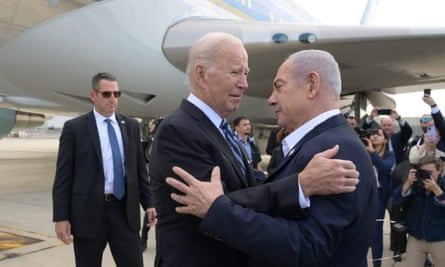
[230, 137]
[118, 171]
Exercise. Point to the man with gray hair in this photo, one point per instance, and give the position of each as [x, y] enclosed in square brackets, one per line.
[305, 96]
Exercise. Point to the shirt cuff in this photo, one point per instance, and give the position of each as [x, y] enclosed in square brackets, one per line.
[304, 202]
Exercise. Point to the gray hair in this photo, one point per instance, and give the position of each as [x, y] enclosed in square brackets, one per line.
[205, 50]
[321, 62]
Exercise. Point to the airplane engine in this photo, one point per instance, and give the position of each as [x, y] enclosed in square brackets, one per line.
[15, 119]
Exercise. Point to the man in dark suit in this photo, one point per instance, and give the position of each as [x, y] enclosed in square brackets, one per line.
[305, 97]
[243, 131]
[100, 183]
[191, 137]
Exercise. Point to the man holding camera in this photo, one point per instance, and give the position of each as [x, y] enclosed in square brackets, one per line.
[423, 195]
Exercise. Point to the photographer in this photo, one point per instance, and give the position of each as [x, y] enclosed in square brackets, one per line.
[429, 147]
[388, 118]
[398, 140]
[383, 160]
[437, 121]
[423, 194]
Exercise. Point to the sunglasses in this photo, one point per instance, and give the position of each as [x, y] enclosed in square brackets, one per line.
[426, 119]
[107, 94]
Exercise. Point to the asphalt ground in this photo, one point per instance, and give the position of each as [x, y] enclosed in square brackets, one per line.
[27, 237]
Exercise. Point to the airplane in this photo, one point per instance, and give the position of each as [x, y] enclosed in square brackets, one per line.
[145, 44]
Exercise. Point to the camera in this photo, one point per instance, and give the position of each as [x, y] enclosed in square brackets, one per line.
[418, 186]
[427, 91]
[384, 111]
[423, 174]
[366, 133]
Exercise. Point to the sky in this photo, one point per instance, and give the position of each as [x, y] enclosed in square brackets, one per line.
[389, 13]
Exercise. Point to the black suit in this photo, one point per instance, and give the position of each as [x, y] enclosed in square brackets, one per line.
[188, 139]
[78, 190]
[337, 229]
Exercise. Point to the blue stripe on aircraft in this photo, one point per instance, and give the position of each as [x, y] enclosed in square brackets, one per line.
[263, 10]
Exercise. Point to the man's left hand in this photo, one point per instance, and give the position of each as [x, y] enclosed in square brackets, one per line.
[152, 217]
[198, 195]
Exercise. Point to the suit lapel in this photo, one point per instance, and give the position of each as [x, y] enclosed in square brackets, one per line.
[92, 129]
[124, 131]
[214, 134]
[324, 126]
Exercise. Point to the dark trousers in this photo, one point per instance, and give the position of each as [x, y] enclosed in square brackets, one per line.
[145, 229]
[397, 239]
[377, 242]
[124, 244]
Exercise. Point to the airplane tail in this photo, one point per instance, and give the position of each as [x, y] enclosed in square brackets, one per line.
[369, 13]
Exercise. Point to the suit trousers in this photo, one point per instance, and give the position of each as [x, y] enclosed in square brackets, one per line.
[124, 244]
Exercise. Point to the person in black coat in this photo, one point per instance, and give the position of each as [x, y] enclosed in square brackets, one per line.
[86, 201]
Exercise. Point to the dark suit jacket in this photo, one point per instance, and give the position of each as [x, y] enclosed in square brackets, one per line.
[188, 139]
[78, 190]
[439, 122]
[337, 229]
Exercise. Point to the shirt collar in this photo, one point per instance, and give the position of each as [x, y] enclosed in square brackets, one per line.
[208, 111]
[100, 118]
[296, 135]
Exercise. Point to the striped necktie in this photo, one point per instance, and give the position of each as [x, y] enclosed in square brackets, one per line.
[230, 137]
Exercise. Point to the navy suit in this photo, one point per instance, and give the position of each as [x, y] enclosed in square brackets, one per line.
[78, 190]
[335, 231]
[188, 139]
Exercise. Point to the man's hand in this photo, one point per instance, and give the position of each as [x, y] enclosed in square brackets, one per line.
[428, 100]
[63, 231]
[198, 196]
[326, 176]
[151, 217]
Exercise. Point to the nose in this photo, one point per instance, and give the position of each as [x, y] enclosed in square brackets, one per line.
[272, 99]
[243, 82]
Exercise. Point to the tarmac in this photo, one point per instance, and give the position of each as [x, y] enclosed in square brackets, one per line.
[27, 237]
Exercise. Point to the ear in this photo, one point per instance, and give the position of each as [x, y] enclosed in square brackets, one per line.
[92, 95]
[200, 73]
[313, 80]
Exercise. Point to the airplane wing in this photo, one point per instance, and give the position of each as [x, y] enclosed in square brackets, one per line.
[371, 58]
[145, 44]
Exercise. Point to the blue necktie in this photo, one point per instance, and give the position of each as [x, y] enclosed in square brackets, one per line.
[118, 171]
[230, 137]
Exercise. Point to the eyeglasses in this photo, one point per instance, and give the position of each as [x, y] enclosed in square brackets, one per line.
[107, 94]
[426, 119]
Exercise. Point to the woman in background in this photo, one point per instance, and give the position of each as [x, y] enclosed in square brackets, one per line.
[383, 160]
